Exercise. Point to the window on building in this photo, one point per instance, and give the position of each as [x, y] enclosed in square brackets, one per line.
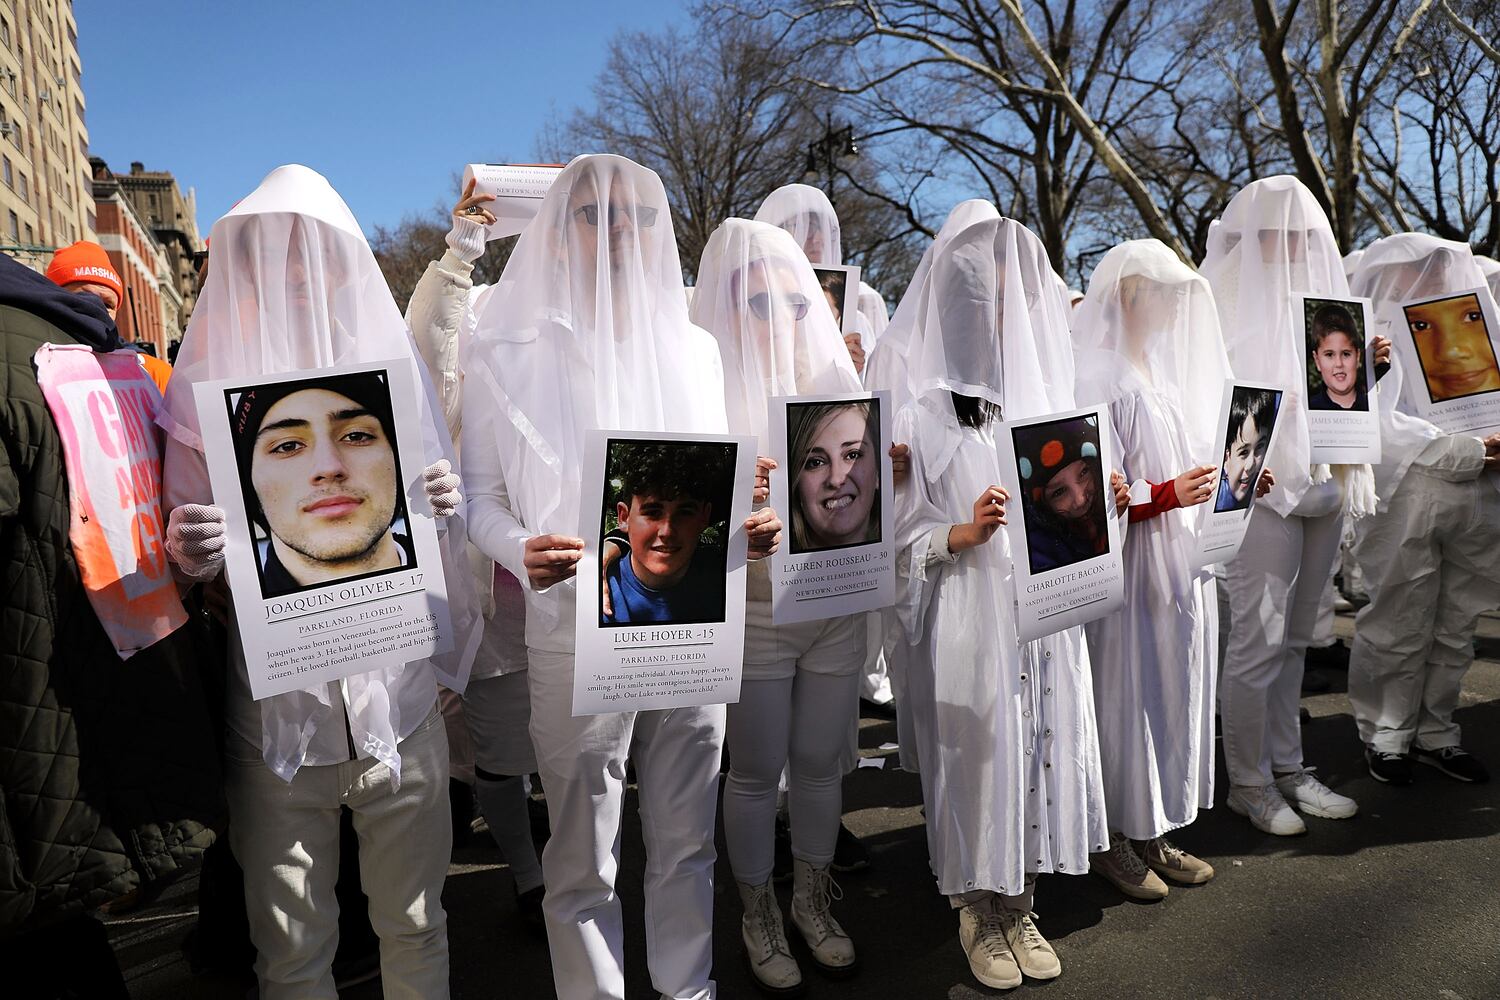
[78, 107]
[7, 172]
[93, 222]
[24, 187]
[83, 148]
[15, 227]
[30, 236]
[4, 31]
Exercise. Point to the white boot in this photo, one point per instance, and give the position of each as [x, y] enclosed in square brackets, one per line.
[813, 892]
[766, 950]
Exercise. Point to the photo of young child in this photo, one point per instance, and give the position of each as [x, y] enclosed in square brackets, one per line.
[1063, 492]
[1454, 348]
[1247, 438]
[1336, 356]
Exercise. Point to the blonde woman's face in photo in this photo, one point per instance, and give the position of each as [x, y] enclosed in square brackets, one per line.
[839, 478]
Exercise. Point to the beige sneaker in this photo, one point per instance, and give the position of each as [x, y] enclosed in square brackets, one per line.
[982, 935]
[1125, 869]
[1172, 862]
[813, 893]
[1033, 954]
[766, 952]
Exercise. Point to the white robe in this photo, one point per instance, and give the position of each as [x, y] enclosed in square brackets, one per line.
[1155, 660]
[1004, 734]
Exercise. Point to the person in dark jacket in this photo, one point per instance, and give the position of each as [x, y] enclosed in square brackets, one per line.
[109, 773]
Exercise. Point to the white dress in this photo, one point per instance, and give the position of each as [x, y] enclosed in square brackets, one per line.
[1154, 661]
[1004, 733]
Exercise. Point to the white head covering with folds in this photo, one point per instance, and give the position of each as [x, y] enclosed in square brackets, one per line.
[1272, 240]
[1394, 270]
[808, 215]
[748, 266]
[872, 308]
[588, 329]
[295, 287]
[1491, 268]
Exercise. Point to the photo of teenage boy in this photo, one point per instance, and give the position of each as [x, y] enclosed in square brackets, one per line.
[1336, 345]
[1252, 415]
[1453, 345]
[321, 481]
[1063, 492]
[669, 496]
[835, 474]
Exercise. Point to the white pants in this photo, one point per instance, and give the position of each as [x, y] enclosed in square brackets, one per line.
[1432, 567]
[875, 680]
[1274, 585]
[582, 763]
[793, 723]
[286, 837]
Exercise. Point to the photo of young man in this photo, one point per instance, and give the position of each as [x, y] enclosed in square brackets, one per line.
[1247, 438]
[321, 480]
[664, 545]
[1453, 345]
[1336, 352]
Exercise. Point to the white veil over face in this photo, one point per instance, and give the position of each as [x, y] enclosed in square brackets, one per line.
[1149, 317]
[1394, 270]
[1272, 240]
[1491, 268]
[758, 296]
[808, 215]
[587, 329]
[872, 308]
[294, 287]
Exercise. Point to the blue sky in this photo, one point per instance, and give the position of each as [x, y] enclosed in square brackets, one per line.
[387, 99]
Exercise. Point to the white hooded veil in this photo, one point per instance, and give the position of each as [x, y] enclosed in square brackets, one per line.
[293, 286]
[872, 307]
[750, 266]
[1491, 268]
[1394, 270]
[808, 215]
[587, 329]
[1272, 240]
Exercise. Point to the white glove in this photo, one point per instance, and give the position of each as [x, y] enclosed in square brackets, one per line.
[443, 487]
[195, 540]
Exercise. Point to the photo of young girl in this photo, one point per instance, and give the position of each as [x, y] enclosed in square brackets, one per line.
[1063, 492]
[1247, 437]
[1454, 347]
[834, 474]
[1336, 356]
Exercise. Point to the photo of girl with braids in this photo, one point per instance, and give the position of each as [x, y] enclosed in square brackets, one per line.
[1064, 492]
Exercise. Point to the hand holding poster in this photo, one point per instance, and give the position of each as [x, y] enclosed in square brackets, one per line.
[1248, 417]
[834, 471]
[518, 189]
[332, 552]
[1450, 354]
[1064, 534]
[1340, 365]
[661, 584]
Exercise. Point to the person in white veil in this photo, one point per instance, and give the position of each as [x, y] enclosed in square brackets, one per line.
[1490, 267]
[1147, 343]
[488, 726]
[758, 296]
[1272, 240]
[1431, 555]
[807, 214]
[588, 329]
[1004, 733]
[873, 308]
[295, 287]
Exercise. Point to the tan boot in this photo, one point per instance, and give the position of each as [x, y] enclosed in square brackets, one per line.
[766, 950]
[1172, 862]
[813, 893]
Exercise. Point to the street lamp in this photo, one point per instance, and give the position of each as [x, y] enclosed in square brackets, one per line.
[823, 154]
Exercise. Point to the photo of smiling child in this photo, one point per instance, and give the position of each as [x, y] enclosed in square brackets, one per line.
[664, 540]
[1336, 378]
[1247, 439]
[834, 474]
[1453, 344]
[321, 480]
[1063, 492]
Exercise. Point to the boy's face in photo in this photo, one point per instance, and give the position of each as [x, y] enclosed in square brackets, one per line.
[1244, 457]
[1337, 358]
[663, 536]
[1454, 344]
[325, 474]
[1071, 492]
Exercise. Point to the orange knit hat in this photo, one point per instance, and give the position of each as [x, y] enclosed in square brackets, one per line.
[86, 262]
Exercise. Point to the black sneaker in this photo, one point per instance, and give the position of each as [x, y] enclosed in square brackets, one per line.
[530, 905]
[1391, 768]
[849, 855]
[1455, 762]
[781, 866]
[1334, 657]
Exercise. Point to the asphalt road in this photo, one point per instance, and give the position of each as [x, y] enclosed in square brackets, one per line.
[1402, 901]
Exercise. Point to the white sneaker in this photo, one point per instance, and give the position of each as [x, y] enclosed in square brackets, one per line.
[766, 950]
[1033, 954]
[981, 932]
[1303, 790]
[1266, 810]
